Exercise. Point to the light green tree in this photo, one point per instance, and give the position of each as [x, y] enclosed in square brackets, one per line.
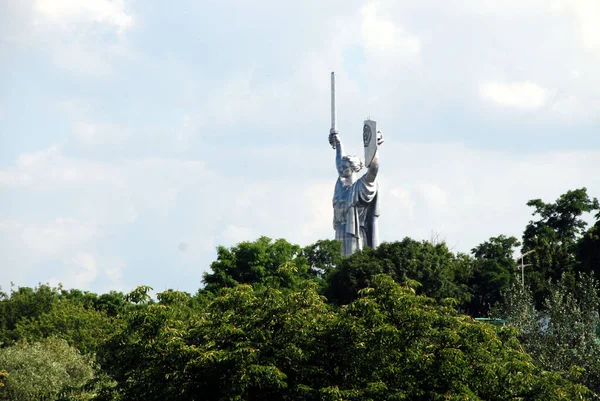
[44, 370]
[563, 335]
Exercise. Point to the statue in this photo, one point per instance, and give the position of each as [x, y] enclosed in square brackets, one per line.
[355, 206]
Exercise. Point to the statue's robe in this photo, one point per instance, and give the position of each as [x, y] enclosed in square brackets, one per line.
[355, 215]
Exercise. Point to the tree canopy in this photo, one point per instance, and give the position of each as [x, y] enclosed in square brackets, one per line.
[277, 321]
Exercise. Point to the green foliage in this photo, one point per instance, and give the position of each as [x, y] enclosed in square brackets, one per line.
[254, 262]
[323, 256]
[24, 303]
[401, 346]
[493, 270]
[554, 239]
[588, 250]
[279, 344]
[440, 273]
[34, 314]
[46, 370]
[81, 327]
[563, 336]
[388, 328]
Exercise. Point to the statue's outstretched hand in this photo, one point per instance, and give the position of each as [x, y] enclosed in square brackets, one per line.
[333, 138]
[379, 138]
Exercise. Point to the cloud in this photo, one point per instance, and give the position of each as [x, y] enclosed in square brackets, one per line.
[82, 59]
[385, 39]
[58, 237]
[403, 202]
[65, 12]
[86, 38]
[316, 202]
[469, 194]
[229, 142]
[50, 169]
[99, 134]
[233, 234]
[81, 272]
[84, 270]
[520, 95]
[464, 194]
[587, 15]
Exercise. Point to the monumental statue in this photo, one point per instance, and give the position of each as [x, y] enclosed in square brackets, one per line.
[355, 205]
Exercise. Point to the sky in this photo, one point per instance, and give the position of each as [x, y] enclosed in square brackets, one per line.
[137, 136]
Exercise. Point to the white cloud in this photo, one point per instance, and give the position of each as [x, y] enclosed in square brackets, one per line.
[520, 95]
[573, 109]
[434, 197]
[49, 168]
[90, 134]
[62, 12]
[467, 194]
[85, 270]
[587, 15]
[511, 8]
[58, 237]
[404, 202]
[386, 39]
[316, 202]
[233, 234]
[260, 125]
[81, 59]
[464, 194]
[84, 38]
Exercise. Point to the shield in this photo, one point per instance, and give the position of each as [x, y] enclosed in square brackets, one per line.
[370, 140]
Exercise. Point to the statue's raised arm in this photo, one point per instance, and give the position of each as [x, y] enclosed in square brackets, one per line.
[371, 174]
[336, 143]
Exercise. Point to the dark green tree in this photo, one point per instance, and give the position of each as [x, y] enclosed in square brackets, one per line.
[588, 250]
[83, 328]
[440, 273]
[493, 270]
[288, 344]
[24, 303]
[253, 262]
[554, 238]
[323, 256]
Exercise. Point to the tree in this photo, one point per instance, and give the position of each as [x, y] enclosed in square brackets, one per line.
[588, 250]
[493, 270]
[440, 273]
[563, 335]
[554, 238]
[252, 262]
[24, 303]
[81, 327]
[266, 343]
[323, 256]
[43, 370]
[391, 344]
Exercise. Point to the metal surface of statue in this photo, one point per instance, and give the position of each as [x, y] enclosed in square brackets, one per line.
[355, 203]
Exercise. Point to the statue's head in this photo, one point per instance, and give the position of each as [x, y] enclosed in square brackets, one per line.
[350, 165]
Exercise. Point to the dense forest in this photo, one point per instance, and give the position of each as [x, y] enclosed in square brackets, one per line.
[410, 320]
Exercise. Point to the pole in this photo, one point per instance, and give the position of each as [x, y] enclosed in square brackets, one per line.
[523, 267]
[522, 274]
[333, 111]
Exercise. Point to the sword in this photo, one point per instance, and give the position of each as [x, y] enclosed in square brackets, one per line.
[333, 112]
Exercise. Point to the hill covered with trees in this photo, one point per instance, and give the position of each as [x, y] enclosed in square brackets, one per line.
[277, 321]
